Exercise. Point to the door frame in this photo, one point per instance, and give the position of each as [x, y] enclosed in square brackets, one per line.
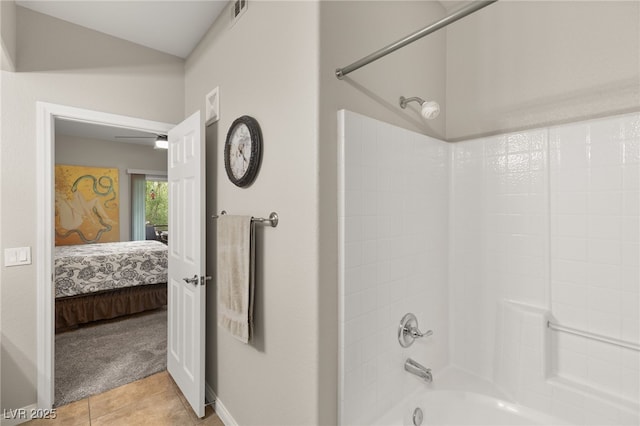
[46, 114]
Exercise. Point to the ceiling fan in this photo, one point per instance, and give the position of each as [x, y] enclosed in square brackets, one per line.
[161, 141]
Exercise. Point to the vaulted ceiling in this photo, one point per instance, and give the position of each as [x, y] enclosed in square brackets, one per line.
[170, 26]
[173, 27]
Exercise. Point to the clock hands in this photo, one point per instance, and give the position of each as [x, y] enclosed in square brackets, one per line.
[243, 148]
[239, 159]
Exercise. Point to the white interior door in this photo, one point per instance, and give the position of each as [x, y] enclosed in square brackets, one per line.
[186, 282]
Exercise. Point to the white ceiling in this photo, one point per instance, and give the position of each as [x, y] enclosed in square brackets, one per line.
[170, 26]
[84, 130]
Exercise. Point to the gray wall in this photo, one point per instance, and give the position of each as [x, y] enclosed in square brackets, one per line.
[77, 151]
[66, 64]
[7, 35]
[7, 52]
[350, 30]
[266, 66]
[519, 65]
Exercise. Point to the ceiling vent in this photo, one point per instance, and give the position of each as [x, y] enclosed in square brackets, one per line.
[238, 7]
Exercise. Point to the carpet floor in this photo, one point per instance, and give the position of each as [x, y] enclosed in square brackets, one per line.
[96, 358]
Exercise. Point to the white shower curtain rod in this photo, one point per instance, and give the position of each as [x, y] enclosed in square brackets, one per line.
[458, 14]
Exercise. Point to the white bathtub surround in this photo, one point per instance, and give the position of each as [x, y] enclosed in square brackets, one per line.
[499, 238]
[595, 261]
[393, 241]
[526, 353]
[549, 218]
[544, 225]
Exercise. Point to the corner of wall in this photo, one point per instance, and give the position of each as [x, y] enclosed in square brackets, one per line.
[7, 35]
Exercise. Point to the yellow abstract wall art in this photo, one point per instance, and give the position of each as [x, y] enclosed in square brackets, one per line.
[87, 205]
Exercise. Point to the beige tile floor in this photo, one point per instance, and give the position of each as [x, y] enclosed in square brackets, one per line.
[155, 400]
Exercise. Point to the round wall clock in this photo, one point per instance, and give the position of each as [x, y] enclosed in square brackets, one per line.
[243, 151]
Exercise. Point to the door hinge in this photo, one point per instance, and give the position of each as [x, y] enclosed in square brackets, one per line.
[204, 279]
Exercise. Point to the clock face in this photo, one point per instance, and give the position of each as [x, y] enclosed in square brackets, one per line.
[243, 151]
[240, 150]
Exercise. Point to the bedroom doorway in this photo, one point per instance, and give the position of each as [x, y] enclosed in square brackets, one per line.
[186, 278]
[48, 115]
[111, 316]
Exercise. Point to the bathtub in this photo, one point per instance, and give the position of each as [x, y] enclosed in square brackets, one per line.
[444, 408]
[458, 398]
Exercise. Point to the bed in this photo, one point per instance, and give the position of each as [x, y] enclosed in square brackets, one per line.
[104, 281]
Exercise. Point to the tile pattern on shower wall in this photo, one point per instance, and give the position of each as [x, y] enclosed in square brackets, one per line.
[393, 228]
[523, 349]
[595, 281]
[499, 238]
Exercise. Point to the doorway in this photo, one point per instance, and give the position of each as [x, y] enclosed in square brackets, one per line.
[110, 322]
[47, 114]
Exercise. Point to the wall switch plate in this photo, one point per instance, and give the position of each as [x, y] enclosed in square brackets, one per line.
[212, 106]
[17, 256]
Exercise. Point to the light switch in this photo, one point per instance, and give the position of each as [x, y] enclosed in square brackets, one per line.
[17, 256]
[10, 257]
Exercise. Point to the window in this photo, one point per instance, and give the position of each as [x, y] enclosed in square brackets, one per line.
[157, 204]
[149, 205]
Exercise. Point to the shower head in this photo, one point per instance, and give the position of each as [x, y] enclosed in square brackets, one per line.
[430, 109]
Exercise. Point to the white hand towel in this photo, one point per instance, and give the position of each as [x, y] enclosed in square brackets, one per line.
[235, 275]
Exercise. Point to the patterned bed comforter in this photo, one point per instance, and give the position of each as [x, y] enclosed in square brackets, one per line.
[89, 268]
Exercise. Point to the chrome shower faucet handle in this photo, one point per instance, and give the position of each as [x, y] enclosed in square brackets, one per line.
[408, 330]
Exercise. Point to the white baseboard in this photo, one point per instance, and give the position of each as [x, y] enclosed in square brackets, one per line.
[17, 416]
[218, 407]
[209, 394]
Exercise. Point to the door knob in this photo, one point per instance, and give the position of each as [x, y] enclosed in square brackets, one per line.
[193, 280]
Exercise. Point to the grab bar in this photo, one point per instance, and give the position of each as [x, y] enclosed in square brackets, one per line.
[272, 219]
[594, 336]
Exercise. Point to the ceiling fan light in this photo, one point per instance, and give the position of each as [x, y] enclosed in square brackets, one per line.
[161, 142]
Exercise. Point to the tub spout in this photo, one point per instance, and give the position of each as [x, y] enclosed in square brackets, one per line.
[419, 370]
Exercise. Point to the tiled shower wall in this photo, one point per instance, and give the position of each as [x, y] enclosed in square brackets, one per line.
[542, 224]
[499, 238]
[549, 218]
[394, 251]
[595, 280]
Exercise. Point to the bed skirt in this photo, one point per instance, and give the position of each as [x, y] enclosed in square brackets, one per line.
[75, 310]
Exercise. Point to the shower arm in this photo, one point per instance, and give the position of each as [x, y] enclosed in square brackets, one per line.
[404, 101]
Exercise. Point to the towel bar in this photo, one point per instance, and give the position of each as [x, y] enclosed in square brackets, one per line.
[272, 219]
[594, 336]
